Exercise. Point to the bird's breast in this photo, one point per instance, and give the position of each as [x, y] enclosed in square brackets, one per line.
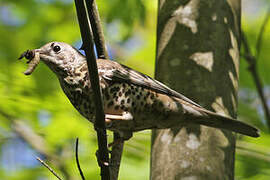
[80, 97]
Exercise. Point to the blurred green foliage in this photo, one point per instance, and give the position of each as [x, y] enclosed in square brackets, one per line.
[39, 103]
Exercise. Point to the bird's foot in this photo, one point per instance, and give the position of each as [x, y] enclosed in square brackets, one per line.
[116, 142]
[100, 162]
[124, 136]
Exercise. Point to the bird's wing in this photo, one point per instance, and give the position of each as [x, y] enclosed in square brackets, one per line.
[125, 74]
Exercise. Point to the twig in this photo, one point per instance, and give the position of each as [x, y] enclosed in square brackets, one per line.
[97, 29]
[35, 141]
[99, 39]
[260, 37]
[254, 150]
[250, 152]
[103, 156]
[77, 159]
[253, 70]
[116, 155]
[48, 167]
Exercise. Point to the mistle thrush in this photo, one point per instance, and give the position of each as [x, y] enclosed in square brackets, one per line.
[132, 101]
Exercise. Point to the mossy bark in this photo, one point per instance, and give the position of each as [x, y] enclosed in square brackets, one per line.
[198, 55]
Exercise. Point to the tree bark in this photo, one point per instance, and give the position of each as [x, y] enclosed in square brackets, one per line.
[197, 55]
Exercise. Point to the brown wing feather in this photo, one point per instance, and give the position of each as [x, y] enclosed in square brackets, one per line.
[121, 73]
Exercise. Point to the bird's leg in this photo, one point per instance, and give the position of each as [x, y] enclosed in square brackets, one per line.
[110, 118]
[126, 116]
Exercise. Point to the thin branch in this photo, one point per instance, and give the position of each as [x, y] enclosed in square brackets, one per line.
[48, 167]
[86, 34]
[77, 159]
[34, 141]
[97, 29]
[116, 155]
[253, 150]
[262, 30]
[28, 135]
[99, 39]
[252, 61]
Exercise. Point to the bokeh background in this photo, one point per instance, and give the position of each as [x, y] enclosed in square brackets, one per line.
[36, 119]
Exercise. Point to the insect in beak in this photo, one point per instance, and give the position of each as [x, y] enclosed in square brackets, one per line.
[33, 60]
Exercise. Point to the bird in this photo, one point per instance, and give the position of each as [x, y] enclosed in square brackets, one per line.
[132, 100]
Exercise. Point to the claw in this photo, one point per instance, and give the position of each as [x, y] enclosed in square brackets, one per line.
[100, 162]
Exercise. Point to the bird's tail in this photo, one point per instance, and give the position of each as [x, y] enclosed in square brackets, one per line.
[218, 121]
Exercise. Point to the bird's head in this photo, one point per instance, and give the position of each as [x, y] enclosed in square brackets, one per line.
[60, 57]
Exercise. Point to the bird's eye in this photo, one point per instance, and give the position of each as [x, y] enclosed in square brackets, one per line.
[56, 48]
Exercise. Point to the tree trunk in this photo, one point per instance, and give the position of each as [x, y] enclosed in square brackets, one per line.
[197, 55]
